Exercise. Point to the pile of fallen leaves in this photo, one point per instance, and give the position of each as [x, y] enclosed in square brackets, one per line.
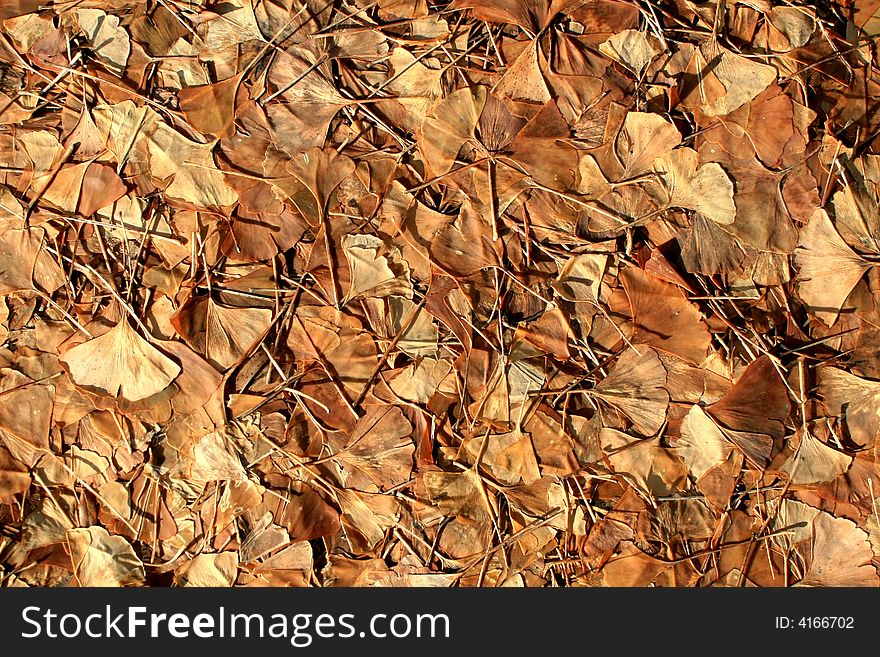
[415, 293]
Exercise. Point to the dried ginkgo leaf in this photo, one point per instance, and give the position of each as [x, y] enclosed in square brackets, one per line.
[195, 179]
[840, 556]
[210, 108]
[321, 171]
[705, 189]
[104, 34]
[120, 363]
[643, 461]
[581, 277]
[814, 462]
[828, 269]
[510, 457]
[24, 263]
[644, 136]
[337, 342]
[758, 402]
[742, 79]
[214, 458]
[522, 79]
[231, 331]
[532, 15]
[420, 380]
[634, 49]
[100, 559]
[637, 388]
[449, 125]
[376, 269]
[663, 317]
[462, 494]
[855, 399]
[14, 476]
[208, 570]
[702, 445]
[378, 454]
[308, 99]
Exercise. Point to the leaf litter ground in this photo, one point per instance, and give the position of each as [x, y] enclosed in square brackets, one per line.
[480, 293]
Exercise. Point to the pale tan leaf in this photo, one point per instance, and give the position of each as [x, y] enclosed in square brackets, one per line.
[814, 462]
[706, 189]
[645, 463]
[106, 37]
[213, 458]
[856, 399]
[642, 138]
[195, 179]
[120, 363]
[449, 125]
[742, 78]
[420, 380]
[459, 494]
[378, 455]
[208, 570]
[840, 556]
[634, 49]
[637, 388]
[376, 269]
[581, 277]
[100, 559]
[231, 331]
[702, 445]
[828, 269]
